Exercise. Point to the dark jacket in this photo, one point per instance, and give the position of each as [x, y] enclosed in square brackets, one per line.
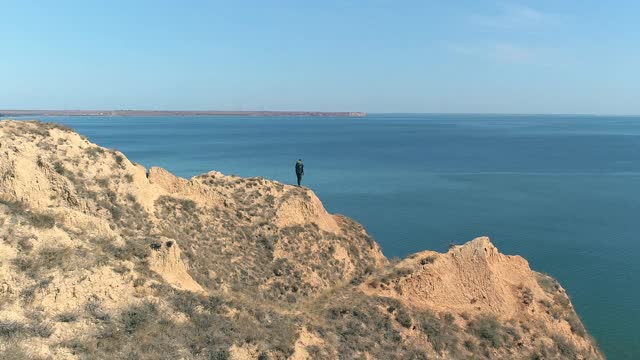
[299, 168]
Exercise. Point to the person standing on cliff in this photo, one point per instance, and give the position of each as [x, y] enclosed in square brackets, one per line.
[299, 170]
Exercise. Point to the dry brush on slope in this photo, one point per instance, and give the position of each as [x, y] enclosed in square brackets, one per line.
[102, 258]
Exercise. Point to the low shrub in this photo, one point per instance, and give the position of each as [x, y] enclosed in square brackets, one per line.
[120, 269]
[469, 345]
[13, 351]
[36, 219]
[396, 274]
[427, 260]
[25, 244]
[94, 151]
[41, 329]
[14, 207]
[76, 346]
[490, 331]
[119, 159]
[361, 327]
[11, 328]
[133, 248]
[526, 295]
[564, 347]
[562, 300]
[547, 283]
[6, 299]
[58, 126]
[46, 258]
[53, 257]
[103, 182]
[28, 294]
[403, 318]
[576, 325]
[94, 309]
[137, 316]
[59, 168]
[116, 213]
[41, 221]
[314, 351]
[442, 334]
[67, 317]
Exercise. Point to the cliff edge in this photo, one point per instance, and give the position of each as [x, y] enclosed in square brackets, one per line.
[101, 258]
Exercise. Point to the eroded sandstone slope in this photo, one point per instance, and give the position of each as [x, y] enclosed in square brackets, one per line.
[102, 258]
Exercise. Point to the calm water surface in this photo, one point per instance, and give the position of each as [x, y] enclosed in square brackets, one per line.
[563, 191]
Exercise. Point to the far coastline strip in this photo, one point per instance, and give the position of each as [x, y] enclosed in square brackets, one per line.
[6, 113]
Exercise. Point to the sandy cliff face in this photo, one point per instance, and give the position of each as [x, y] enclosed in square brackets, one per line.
[102, 258]
[476, 280]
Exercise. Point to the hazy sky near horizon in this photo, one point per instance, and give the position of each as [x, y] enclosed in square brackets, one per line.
[547, 56]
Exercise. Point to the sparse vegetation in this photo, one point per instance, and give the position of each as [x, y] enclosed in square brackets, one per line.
[547, 283]
[121, 269]
[364, 324]
[38, 128]
[427, 260]
[47, 258]
[526, 295]
[41, 329]
[13, 351]
[59, 168]
[33, 218]
[119, 159]
[6, 299]
[392, 276]
[562, 300]
[67, 317]
[103, 182]
[95, 311]
[137, 316]
[576, 324]
[564, 347]
[42, 221]
[25, 245]
[208, 237]
[58, 126]
[94, 152]
[76, 346]
[442, 333]
[403, 317]
[28, 294]
[491, 332]
[11, 328]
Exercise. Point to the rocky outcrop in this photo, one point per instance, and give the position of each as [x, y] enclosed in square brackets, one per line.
[476, 280]
[165, 260]
[474, 277]
[102, 258]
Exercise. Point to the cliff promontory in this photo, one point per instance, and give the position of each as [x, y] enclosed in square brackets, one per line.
[101, 258]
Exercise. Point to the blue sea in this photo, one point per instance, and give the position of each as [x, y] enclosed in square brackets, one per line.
[562, 191]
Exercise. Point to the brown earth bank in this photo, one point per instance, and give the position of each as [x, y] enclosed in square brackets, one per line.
[101, 258]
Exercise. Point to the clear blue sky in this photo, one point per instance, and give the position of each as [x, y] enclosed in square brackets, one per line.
[570, 56]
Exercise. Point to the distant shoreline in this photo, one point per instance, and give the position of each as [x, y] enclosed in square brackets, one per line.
[6, 113]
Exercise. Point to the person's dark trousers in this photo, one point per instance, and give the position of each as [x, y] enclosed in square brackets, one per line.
[299, 178]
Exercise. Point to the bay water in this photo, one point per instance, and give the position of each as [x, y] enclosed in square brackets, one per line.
[562, 191]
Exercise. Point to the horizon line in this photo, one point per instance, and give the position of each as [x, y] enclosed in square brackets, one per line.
[114, 112]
